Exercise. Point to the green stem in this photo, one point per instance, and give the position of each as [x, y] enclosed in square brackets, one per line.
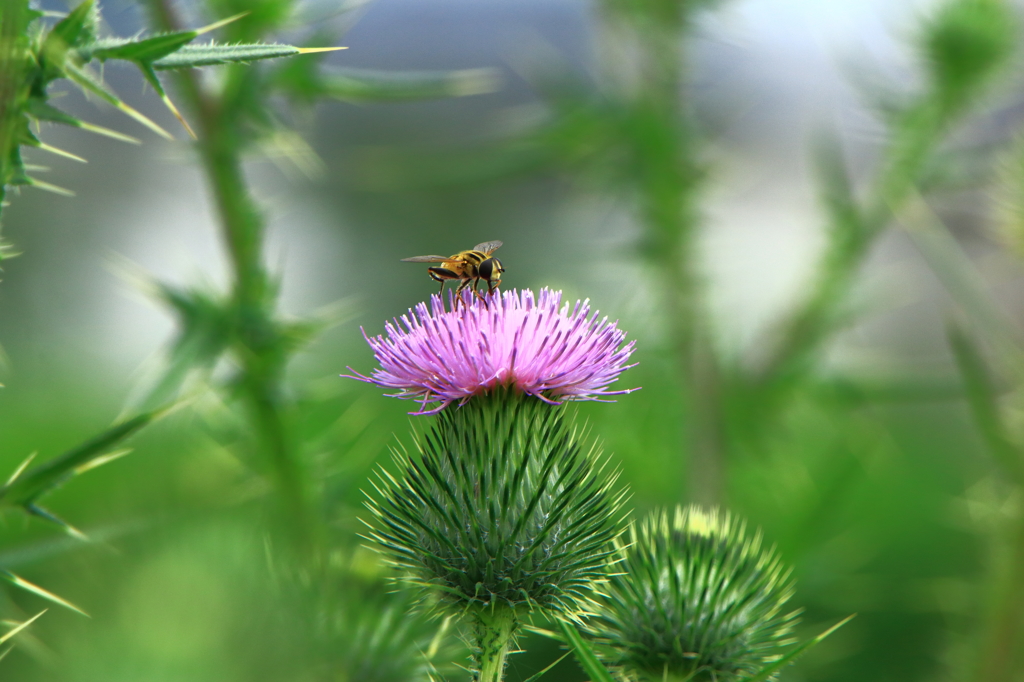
[852, 235]
[1000, 657]
[259, 346]
[13, 86]
[663, 137]
[494, 630]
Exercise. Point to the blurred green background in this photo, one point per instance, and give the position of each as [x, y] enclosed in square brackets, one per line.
[871, 479]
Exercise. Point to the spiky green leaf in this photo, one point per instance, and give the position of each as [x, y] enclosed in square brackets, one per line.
[141, 50]
[32, 484]
[364, 85]
[211, 54]
[367, 85]
[78, 27]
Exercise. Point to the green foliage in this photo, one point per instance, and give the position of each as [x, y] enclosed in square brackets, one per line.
[367, 85]
[980, 394]
[27, 486]
[862, 508]
[261, 16]
[769, 671]
[585, 654]
[695, 598]
[212, 54]
[377, 640]
[211, 325]
[15, 87]
[358, 627]
[667, 13]
[33, 59]
[1009, 226]
[964, 43]
[500, 507]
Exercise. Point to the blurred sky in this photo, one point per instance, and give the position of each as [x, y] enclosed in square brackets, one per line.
[769, 75]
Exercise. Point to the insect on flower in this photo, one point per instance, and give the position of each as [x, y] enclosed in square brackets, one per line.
[470, 267]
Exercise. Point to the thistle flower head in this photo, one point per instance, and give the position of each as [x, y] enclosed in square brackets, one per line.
[695, 598]
[499, 508]
[535, 345]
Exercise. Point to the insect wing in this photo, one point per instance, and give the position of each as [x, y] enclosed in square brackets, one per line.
[426, 259]
[487, 247]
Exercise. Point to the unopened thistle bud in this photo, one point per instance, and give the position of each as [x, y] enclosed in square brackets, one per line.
[964, 42]
[695, 597]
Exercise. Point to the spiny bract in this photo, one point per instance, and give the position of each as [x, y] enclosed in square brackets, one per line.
[500, 508]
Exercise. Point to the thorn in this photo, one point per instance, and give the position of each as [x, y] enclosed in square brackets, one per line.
[144, 120]
[100, 130]
[177, 115]
[217, 24]
[53, 518]
[47, 187]
[60, 152]
[311, 50]
[21, 627]
[100, 461]
[21, 468]
[18, 581]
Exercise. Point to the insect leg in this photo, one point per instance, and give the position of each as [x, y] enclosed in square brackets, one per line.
[441, 275]
[476, 281]
[462, 287]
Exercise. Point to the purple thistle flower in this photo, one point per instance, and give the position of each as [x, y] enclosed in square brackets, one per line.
[450, 354]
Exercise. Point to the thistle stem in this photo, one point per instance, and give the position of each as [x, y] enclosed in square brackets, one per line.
[13, 85]
[258, 351]
[258, 347]
[665, 146]
[1000, 659]
[852, 236]
[494, 630]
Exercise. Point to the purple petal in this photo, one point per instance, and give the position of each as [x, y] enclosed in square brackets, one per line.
[447, 354]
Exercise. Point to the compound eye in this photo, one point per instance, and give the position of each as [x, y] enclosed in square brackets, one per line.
[486, 269]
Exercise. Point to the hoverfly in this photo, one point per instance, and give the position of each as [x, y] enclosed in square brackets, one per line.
[470, 267]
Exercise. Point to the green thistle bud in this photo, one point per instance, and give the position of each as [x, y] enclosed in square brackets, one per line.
[964, 43]
[498, 513]
[696, 598]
